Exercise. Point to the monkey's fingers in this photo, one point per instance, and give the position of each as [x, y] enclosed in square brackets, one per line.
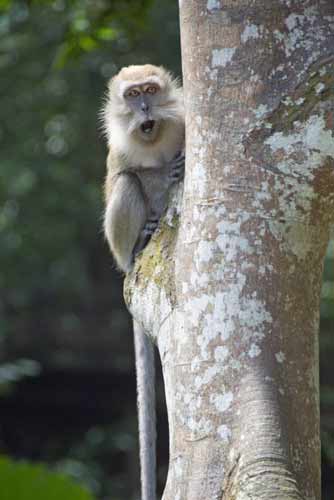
[150, 227]
[177, 173]
[179, 159]
[177, 166]
[151, 224]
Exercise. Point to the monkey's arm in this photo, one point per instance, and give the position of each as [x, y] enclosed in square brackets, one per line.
[125, 217]
[135, 200]
[156, 182]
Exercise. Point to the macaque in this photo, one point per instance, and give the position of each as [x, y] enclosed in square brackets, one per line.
[144, 123]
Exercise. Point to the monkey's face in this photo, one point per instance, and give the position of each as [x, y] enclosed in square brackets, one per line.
[142, 100]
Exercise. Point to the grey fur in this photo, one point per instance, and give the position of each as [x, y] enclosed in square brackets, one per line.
[144, 352]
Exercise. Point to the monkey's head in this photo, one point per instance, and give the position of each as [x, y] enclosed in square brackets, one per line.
[143, 99]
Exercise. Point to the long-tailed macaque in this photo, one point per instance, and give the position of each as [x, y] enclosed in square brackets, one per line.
[144, 124]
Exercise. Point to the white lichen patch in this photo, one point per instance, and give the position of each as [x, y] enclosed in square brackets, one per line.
[302, 33]
[224, 432]
[314, 143]
[278, 35]
[204, 252]
[207, 377]
[178, 467]
[221, 57]
[199, 280]
[221, 353]
[292, 20]
[197, 176]
[195, 308]
[261, 110]
[280, 357]
[319, 88]
[250, 31]
[218, 316]
[199, 173]
[213, 5]
[312, 138]
[254, 315]
[203, 426]
[254, 351]
[222, 402]
[192, 401]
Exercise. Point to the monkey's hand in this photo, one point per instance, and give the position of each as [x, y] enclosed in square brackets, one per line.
[176, 172]
[146, 233]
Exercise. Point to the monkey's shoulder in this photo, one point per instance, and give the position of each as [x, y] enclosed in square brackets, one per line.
[115, 165]
[116, 162]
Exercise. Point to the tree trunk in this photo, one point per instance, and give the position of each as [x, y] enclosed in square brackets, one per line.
[229, 287]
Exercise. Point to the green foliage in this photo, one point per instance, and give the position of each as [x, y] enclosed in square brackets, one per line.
[56, 278]
[5, 5]
[86, 24]
[52, 154]
[49, 178]
[23, 481]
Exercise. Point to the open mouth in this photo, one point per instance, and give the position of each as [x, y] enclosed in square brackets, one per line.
[147, 126]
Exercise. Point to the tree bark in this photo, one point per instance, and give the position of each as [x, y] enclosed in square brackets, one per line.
[229, 287]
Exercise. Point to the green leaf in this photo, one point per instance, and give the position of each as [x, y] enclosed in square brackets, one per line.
[87, 43]
[5, 5]
[106, 34]
[24, 481]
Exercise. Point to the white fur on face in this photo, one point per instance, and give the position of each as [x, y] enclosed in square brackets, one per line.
[120, 123]
[126, 84]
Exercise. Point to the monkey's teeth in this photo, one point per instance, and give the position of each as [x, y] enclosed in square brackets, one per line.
[147, 126]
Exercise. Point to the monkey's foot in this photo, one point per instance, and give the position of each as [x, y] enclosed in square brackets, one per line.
[151, 225]
[177, 167]
[145, 234]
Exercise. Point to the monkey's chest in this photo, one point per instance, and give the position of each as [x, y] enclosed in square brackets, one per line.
[155, 188]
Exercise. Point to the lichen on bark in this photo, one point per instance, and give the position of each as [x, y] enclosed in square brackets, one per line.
[232, 297]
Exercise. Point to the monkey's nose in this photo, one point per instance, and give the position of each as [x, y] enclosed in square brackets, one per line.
[144, 107]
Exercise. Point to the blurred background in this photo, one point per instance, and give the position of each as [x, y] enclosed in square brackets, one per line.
[67, 380]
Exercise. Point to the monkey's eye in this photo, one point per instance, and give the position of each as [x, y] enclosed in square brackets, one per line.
[132, 93]
[151, 90]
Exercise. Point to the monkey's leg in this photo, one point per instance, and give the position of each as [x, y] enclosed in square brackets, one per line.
[144, 351]
[125, 217]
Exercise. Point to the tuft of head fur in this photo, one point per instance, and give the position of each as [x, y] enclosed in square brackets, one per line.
[120, 123]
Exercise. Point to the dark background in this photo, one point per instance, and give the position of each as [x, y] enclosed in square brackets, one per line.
[67, 381]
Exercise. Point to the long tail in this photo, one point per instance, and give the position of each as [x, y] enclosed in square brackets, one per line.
[144, 352]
